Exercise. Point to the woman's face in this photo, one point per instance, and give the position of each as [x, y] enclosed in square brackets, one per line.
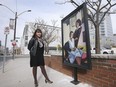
[77, 24]
[38, 34]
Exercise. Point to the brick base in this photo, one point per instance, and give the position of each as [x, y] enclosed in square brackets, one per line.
[103, 73]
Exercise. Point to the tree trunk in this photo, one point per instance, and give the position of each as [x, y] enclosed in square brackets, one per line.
[46, 49]
[97, 40]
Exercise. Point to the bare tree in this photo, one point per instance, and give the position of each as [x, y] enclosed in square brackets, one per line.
[48, 32]
[97, 10]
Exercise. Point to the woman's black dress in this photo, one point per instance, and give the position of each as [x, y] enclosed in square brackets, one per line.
[38, 59]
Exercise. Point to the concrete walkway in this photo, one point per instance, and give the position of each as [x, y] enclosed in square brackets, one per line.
[19, 74]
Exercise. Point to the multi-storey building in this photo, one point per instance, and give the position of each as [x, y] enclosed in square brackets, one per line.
[24, 40]
[106, 26]
[106, 32]
[114, 40]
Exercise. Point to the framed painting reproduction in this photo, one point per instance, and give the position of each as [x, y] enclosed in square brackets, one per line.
[75, 39]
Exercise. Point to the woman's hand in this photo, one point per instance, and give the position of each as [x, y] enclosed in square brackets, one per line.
[76, 38]
[73, 49]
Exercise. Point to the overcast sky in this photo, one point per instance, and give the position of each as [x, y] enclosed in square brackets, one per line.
[45, 9]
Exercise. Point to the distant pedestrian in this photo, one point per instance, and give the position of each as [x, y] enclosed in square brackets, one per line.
[36, 48]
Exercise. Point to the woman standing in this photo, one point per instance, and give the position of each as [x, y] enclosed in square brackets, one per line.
[77, 32]
[36, 48]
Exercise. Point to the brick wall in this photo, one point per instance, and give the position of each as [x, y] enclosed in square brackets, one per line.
[103, 73]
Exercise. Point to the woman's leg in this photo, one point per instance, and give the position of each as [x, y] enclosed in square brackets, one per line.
[78, 60]
[78, 56]
[71, 57]
[34, 71]
[45, 74]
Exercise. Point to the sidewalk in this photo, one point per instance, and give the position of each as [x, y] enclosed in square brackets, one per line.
[19, 74]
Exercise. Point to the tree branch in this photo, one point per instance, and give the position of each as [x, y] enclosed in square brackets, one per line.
[106, 12]
[99, 3]
[92, 15]
[72, 1]
[104, 6]
[90, 5]
[104, 15]
[109, 2]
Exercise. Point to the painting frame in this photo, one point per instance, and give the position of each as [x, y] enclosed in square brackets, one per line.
[68, 24]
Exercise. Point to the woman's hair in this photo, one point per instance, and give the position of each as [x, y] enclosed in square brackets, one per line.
[37, 30]
[78, 21]
[70, 33]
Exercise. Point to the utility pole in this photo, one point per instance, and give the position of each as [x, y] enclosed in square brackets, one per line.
[6, 32]
[14, 35]
[15, 25]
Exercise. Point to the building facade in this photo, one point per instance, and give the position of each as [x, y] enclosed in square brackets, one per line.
[114, 40]
[106, 32]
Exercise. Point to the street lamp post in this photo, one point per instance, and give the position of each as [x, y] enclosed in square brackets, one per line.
[14, 35]
[15, 25]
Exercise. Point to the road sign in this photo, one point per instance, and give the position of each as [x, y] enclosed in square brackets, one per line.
[14, 43]
[7, 30]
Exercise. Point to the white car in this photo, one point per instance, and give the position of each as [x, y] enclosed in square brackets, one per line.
[114, 49]
[103, 51]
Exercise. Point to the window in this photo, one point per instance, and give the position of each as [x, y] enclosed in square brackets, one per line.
[26, 43]
[26, 37]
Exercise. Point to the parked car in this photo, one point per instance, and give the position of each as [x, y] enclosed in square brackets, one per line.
[103, 51]
[114, 49]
